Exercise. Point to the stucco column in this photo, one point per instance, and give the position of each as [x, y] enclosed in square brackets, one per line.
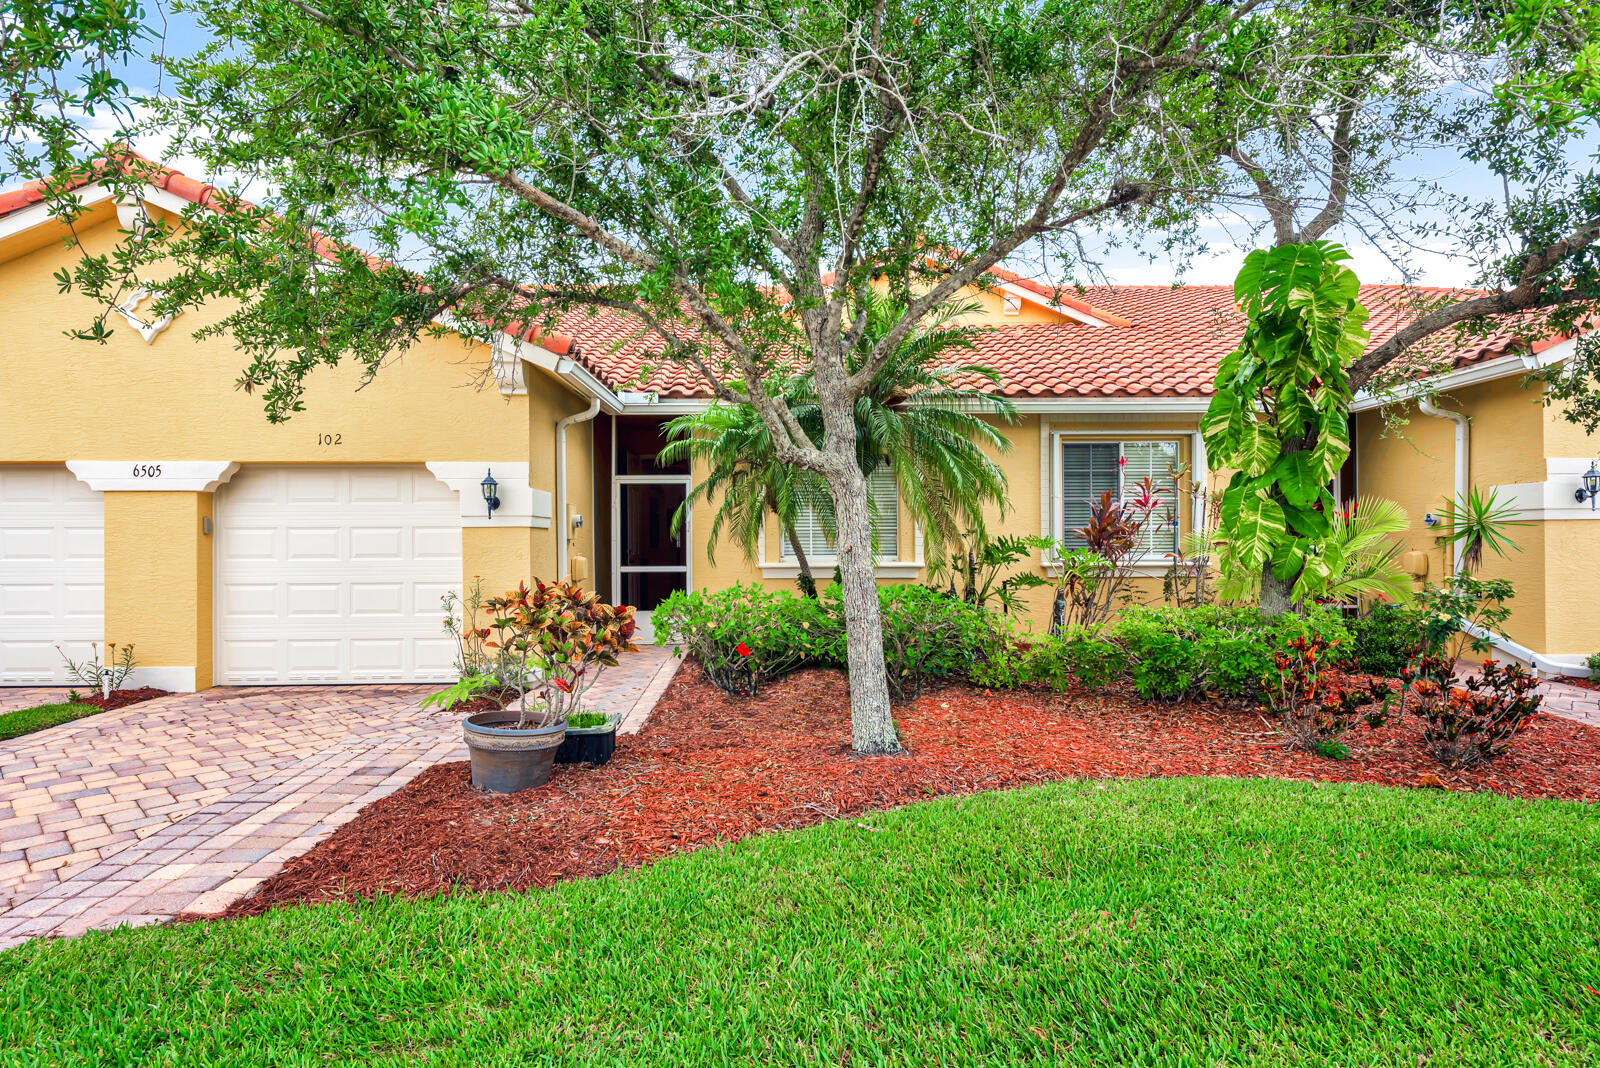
[158, 585]
[158, 564]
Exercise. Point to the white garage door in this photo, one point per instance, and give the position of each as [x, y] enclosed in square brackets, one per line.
[334, 574]
[52, 572]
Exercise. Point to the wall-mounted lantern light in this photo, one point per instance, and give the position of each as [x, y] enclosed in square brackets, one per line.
[1590, 488]
[489, 486]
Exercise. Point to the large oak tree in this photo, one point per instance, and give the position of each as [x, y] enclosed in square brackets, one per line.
[738, 177]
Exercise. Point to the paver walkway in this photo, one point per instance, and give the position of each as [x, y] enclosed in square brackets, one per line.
[1571, 702]
[183, 804]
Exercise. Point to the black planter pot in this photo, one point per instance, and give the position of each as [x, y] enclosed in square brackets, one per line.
[589, 745]
[505, 759]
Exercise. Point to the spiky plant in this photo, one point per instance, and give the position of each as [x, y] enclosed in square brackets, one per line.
[1473, 522]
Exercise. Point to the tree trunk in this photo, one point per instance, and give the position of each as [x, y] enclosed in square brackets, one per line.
[1277, 596]
[808, 582]
[871, 721]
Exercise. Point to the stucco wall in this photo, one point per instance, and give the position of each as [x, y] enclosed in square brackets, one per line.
[1025, 465]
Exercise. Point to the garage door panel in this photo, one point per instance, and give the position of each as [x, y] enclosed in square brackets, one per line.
[314, 485]
[84, 602]
[52, 572]
[344, 595]
[374, 487]
[312, 543]
[437, 543]
[30, 601]
[381, 543]
[378, 599]
[306, 600]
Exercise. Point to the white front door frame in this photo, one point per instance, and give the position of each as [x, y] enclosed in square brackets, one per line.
[618, 569]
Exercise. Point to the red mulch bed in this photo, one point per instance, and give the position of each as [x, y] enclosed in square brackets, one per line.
[710, 768]
[121, 698]
[1583, 684]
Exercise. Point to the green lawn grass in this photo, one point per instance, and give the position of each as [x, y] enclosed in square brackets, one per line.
[1172, 922]
[27, 720]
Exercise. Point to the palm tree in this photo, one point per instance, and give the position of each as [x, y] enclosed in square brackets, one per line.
[735, 447]
[1359, 558]
[1364, 555]
[922, 419]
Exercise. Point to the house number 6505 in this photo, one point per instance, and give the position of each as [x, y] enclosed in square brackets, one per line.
[146, 470]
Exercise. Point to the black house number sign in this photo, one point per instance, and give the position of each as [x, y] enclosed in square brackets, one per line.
[146, 470]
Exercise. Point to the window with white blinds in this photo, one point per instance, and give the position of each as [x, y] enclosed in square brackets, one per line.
[1090, 468]
[884, 492]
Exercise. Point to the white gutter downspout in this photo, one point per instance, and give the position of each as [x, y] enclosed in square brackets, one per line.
[1463, 466]
[565, 523]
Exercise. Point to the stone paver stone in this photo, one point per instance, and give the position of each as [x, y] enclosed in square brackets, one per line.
[183, 804]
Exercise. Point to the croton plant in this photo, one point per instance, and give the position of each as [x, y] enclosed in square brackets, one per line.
[540, 649]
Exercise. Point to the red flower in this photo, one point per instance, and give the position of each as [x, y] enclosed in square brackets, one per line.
[742, 649]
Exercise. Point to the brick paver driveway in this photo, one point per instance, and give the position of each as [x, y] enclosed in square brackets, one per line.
[182, 804]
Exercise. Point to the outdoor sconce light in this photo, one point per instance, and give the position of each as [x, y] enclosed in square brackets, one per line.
[489, 485]
[1591, 487]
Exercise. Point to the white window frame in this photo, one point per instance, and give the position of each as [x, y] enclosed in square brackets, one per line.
[1057, 438]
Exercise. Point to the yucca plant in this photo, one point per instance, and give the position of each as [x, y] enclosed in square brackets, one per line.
[1473, 522]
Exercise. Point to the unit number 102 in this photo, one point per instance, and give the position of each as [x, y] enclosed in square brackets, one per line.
[330, 439]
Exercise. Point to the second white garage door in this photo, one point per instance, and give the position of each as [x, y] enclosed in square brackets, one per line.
[52, 573]
[334, 574]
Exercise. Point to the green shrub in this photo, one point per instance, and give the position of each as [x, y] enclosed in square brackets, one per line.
[748, 636]
[1592, 662]
[1081, 655]
[1175, 654]
[1385, 639]
[1086, 655]
[927, 634]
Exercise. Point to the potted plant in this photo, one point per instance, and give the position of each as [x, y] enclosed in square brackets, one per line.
[591, 738]
[535, 659]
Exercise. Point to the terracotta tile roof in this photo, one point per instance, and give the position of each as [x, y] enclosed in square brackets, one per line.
[1163, 341]
[1176, 339]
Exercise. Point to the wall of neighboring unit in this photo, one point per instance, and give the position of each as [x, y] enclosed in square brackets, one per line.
[164, 405]
[1518, 445]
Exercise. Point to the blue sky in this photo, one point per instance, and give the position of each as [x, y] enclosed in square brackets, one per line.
[1227, 237]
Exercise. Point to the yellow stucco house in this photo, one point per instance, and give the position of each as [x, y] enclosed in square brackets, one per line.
[145, 499]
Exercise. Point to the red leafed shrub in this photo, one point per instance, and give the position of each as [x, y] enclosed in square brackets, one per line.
[1315, 704]
[1472, 720]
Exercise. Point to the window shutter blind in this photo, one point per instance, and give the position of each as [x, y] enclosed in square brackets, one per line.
[1088, 469]
[1155, 460]
[883, 490]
